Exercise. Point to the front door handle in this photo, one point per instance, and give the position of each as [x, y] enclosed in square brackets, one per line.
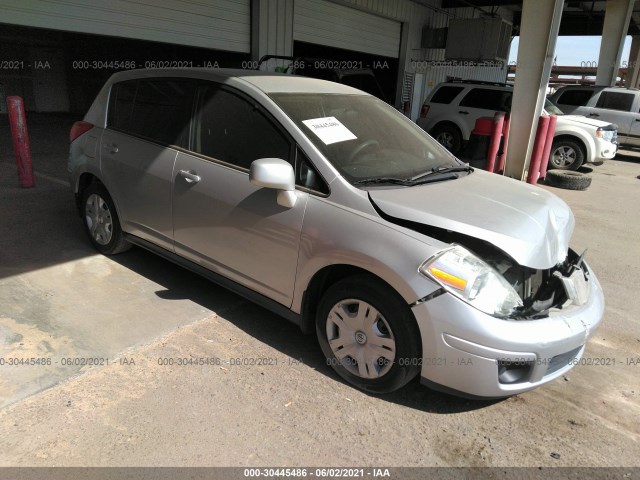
[113, 148]
[189, 177]
[462, 112]
[594, 114]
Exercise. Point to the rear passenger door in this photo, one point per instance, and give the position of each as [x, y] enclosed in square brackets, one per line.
[221, 220]
[483, 102]
[147, 119]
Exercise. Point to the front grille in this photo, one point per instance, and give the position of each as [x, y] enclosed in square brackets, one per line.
[560, 361]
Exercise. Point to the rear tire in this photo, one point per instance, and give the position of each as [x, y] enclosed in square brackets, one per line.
[101, 221]
[448, 136]
[368, 334]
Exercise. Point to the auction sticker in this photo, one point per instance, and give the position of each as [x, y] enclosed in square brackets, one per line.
[329, 130]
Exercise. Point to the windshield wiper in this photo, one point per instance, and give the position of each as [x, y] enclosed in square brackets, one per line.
[442, 169]
[382, 180]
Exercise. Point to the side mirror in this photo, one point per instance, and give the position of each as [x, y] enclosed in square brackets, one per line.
[277, 174]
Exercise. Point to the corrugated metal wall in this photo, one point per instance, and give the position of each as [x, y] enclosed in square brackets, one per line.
[215, 24]
[275, 31]
[326, 23]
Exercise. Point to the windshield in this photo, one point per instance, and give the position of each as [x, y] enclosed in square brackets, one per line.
[551, 107]
[363, 137]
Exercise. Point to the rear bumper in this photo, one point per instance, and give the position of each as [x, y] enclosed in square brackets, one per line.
[475, 354]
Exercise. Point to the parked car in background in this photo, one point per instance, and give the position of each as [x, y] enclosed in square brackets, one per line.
[329, 207]
[610, 104]
[450, 111]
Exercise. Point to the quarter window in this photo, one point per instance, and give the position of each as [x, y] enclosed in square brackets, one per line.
[121, 105]
[307, 176]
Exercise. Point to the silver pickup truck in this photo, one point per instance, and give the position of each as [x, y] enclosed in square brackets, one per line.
[611, 104]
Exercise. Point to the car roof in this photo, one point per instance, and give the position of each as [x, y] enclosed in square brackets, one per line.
[268, 82]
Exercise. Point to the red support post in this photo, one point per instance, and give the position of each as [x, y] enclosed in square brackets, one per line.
[547, 146]
[494, 144]
[505, 143]
[538, 148]
[20, 137]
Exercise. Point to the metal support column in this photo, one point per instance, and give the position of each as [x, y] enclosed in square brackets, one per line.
[616, 24]
[538, 35]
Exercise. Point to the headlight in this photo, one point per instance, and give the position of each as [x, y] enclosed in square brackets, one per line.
[472, 280]
[607, 134]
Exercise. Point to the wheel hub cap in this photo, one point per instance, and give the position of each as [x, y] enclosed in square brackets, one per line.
[98, 219]
[360, 338]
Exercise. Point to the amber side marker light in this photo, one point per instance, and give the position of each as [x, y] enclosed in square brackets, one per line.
[452, 280]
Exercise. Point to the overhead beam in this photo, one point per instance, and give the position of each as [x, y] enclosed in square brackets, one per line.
[616, 25]
[538, 36]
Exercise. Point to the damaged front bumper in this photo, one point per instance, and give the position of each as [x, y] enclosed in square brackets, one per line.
[470, 353]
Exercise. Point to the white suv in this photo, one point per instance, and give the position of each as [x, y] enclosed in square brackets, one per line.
[450, 111]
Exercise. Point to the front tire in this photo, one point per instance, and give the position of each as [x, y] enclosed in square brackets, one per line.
[368, 334]
[101, 221]
[566, 155]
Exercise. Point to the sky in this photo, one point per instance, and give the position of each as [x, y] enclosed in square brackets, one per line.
[575, 50]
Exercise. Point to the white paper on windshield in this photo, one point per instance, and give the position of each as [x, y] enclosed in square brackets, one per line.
[329, 130]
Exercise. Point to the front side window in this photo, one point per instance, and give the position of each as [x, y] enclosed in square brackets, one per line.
[232, 129]
[363, 137]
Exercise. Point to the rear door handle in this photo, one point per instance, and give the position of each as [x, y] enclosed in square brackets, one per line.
[594, 114]
[189, 177]
[462, 112]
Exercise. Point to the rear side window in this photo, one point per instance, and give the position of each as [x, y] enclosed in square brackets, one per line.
[155, 109]
[445, 94]
[488, 99]
[616, 101]
[577, 98]
[232, 129]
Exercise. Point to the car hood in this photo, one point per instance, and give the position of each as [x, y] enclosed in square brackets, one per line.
[582, 120]
[528, 223]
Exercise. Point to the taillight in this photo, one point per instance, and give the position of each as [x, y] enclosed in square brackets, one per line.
[78, 129]
[424, 111]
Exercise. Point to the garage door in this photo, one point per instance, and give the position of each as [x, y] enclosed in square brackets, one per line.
[215, 24]
[326, 23]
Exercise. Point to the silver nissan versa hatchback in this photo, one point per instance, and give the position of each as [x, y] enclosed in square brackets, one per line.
[327, 206]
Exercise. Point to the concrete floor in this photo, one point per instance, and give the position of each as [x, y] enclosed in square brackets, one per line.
[58, 299]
